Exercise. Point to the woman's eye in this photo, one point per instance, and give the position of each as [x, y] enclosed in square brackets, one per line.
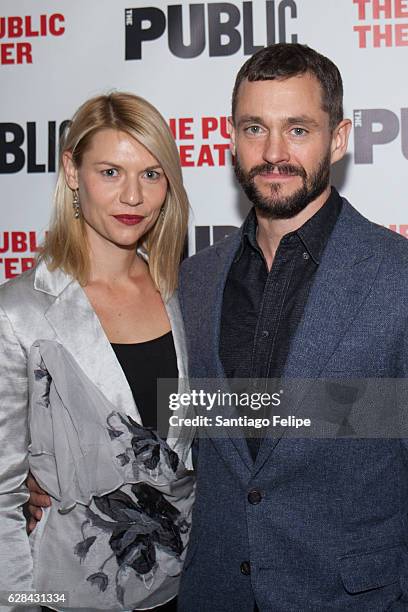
[110, 172]
[152, 174]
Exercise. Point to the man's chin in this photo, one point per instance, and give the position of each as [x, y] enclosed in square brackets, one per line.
[281, 207]
[276, 211]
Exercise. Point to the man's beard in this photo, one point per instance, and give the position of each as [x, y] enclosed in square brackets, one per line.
[277, 206]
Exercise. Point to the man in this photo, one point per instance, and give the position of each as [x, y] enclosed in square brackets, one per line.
[307, 289]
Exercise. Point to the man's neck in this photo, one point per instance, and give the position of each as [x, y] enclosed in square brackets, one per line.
[271, 231]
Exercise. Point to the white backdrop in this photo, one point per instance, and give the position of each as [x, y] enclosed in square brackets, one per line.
[183, 58]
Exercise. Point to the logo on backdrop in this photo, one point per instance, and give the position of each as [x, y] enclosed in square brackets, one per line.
[221, 28]
[202, 142]
[15, 29]
[381, 23]
[18, 147]
[374, 127]
[212, 132]
[20, 248]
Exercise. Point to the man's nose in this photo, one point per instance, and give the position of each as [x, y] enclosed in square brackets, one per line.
[276, 149]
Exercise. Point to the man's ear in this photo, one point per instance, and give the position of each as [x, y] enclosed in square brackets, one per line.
[70, 170]
[340, 139]
[231, 131]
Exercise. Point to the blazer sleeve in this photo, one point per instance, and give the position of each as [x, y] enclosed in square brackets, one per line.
[15, 556]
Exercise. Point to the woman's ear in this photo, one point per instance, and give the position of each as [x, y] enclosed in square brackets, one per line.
[70, 170]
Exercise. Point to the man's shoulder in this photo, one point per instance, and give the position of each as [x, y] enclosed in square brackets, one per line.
[220, 250]
[390, 244]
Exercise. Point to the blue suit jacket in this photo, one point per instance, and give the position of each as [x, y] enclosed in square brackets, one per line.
[331, 530]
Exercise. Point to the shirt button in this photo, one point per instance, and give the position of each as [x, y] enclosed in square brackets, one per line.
[265, 333]
[255, 497]
[245, 568]
[305, 255]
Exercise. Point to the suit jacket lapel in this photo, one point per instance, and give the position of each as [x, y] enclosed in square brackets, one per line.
[179, 438]
[78, 329]
[348, 268]
[229, 443]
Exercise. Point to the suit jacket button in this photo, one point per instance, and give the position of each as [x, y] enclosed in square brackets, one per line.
[255, 496]
[245, 568]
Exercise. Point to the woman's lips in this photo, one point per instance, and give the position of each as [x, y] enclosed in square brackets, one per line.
[129, 219]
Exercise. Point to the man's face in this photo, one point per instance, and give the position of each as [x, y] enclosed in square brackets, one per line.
[282, 143]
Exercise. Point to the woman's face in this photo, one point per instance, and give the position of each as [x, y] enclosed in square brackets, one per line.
[122, 188]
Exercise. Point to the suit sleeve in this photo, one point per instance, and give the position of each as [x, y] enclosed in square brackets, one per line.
[15, 557]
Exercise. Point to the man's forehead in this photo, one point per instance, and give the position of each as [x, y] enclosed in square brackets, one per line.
[295, 93]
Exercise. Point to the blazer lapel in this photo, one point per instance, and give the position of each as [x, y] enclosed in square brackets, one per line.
[346, 273]
[78, 329]
[229, 443]
[179, 438]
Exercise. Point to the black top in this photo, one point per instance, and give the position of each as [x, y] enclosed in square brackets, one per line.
[143, 363]
[261, 310]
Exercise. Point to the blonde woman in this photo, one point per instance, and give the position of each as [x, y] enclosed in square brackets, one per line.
[83, 338]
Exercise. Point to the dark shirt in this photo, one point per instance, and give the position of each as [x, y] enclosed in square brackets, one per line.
[261, 310]
[143, 363]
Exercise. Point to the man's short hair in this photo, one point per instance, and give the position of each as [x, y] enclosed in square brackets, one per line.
[285, 60]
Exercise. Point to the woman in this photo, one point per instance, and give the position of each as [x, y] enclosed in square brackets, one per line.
[83, 338]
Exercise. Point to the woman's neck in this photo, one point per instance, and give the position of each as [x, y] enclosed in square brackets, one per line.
[110, 263]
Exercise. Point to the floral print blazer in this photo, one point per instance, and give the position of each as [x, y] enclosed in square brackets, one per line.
[115, 536]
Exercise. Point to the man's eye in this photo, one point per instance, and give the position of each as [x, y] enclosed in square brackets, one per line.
[254, 130]
[297, 131]
[110, 172]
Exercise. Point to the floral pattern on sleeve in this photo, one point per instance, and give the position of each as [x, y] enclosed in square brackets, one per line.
[141, 523]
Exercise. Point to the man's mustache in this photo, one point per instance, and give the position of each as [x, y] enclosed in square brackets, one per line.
[285, 169]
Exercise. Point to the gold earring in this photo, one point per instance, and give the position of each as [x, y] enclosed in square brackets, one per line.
[75, 204]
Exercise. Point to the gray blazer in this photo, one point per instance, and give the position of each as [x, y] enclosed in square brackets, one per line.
[329, 526]
[51, 347]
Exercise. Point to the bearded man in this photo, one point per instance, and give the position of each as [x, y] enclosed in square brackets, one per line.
[307, 289]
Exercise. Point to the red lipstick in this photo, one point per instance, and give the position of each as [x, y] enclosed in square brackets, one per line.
[129, 219]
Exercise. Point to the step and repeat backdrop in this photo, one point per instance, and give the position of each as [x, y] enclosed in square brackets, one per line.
[183, 57]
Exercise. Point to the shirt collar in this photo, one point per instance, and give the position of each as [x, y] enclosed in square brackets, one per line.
[316, 231]
[314, 234]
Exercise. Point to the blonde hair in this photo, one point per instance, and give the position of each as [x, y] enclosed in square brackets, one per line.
[66, 245]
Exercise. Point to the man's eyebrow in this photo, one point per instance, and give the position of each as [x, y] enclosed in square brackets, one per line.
[303, 119]
[249, 119]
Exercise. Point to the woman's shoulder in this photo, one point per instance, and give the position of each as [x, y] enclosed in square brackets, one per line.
[17, 288]
[29, 291]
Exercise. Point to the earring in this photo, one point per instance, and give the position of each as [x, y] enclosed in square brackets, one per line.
[162, 213]
[75, 204]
